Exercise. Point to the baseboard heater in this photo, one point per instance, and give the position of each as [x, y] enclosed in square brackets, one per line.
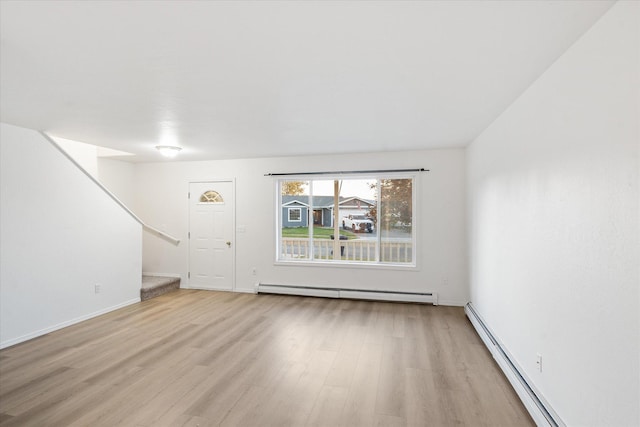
[427, 297]
[540, 410]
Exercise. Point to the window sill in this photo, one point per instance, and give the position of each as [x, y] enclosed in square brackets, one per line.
[347, 264]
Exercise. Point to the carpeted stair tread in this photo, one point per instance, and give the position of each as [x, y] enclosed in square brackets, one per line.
[153, 286]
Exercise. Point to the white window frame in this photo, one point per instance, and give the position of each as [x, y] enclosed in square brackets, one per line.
[378, 264]
[289, 210]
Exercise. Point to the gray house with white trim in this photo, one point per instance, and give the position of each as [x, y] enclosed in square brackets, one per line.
[295, 209]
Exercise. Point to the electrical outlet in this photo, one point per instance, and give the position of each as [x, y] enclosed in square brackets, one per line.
[97, 288]
[539, 362]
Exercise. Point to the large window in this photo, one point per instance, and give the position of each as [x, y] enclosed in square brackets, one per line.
[364, 220]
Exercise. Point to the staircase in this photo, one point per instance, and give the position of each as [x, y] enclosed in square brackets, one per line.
[154, 286]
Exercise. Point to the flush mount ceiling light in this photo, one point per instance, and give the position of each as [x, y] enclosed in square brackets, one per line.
[168, 150]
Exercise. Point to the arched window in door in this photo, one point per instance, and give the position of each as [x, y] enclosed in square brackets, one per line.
[211, 196]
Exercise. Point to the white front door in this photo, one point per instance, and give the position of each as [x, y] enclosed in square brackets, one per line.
[211, 231]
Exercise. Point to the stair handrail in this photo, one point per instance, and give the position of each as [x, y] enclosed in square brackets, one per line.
[145, 226]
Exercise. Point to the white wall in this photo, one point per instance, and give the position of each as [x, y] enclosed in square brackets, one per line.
[85, 154]
[162, 201]
[554, 226]
[118, 176]
[60, 235]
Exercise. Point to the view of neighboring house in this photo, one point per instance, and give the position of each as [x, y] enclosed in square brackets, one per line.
[295, 209]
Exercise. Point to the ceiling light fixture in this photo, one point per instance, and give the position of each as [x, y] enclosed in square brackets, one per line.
[168, 150]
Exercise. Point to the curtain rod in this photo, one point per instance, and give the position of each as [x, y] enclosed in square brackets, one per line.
[348, 172]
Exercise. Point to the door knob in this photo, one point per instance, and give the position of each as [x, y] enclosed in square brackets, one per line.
[229, 244]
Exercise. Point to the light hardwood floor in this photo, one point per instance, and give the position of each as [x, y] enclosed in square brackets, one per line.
[199, 358]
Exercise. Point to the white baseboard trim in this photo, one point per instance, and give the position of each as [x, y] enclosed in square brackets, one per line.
[201, 288]
[298, 290]
[244, 291]
[366, 294]
[538, 407]
[239, 291]
[451, 303]
[44, 331]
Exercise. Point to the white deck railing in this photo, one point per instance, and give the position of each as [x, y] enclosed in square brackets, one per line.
[392, 250]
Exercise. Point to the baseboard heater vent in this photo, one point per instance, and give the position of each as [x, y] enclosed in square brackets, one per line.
[427, 297]
[540, 411]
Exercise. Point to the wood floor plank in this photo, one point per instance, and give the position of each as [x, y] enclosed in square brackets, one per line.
[167, 400]
[360, 407]
[249, 410]
[199, 358]
[389, 421]
[60, 409]
[344, 365]
[390, 399]
[327, 410]
[422, 399]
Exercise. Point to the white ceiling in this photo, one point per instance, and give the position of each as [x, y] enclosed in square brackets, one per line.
[272, 78]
